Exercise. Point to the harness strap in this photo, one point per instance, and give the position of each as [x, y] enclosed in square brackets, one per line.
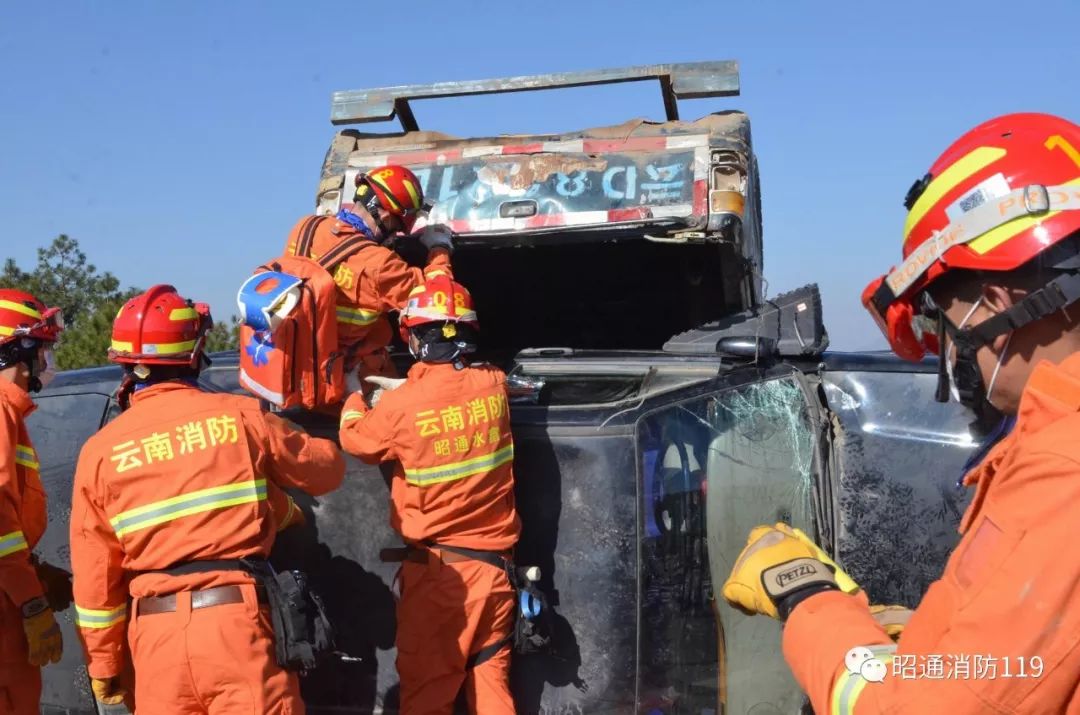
[343, 250]
[307, 235]
[486, 653]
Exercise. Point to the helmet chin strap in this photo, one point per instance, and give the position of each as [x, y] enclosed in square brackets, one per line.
[954, 390]
[966, 384]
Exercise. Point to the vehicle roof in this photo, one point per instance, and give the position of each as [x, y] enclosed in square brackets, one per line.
[108, 376]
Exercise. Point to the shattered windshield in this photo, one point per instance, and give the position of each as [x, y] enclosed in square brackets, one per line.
[712, 469]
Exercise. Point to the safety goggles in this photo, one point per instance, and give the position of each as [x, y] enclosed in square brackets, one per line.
[911, 332]
[47, 328]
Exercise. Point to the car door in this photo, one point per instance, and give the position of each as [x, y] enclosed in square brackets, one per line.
[895, 458]
[853, 451]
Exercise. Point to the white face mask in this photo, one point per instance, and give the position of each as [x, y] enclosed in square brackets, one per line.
[49, 371]
[993, 378]
[949, 365]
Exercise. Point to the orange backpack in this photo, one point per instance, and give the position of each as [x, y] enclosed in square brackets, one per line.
[289, 353]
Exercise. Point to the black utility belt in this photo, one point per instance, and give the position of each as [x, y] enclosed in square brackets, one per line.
[303, 635]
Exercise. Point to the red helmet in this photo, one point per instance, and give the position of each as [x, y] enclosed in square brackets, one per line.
[159, 327]
[397, 190]
[438, 300]
[1000, 195]
[23, 315]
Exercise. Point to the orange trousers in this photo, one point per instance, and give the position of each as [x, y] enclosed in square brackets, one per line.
[20, 687]
[20, 682]
[446, 613]
[212, 661]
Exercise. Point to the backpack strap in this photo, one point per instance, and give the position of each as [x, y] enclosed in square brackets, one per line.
[343, 250]
[307, 235]
[335, 255]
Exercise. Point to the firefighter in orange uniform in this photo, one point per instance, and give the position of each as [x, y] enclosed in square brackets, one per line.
[29, 635]
[989, 282]
[375, 279]
[448, 428]
[167, 497]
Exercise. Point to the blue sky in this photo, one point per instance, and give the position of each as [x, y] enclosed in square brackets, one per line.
[178, 142]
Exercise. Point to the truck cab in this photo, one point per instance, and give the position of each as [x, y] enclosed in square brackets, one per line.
[662, 405]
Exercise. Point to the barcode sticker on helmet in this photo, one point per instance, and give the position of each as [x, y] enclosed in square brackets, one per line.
[994, 187]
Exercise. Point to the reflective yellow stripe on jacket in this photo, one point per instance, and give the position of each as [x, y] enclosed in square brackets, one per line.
[26, 456]
[459, 470]
[357, 317]
[94, 618]
[350, 415]
[849, 686]
[10, 543]
[186, 504]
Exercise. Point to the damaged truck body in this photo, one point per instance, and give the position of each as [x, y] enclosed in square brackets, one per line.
[662, 406]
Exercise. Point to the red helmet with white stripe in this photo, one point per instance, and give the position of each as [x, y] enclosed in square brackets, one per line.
[159, 327]
[439, 300]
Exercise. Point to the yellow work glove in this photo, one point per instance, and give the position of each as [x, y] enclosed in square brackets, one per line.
[845, 582]
[107, 690]
[774, 572]
[42, 632]
[293, 515]
[892, 618]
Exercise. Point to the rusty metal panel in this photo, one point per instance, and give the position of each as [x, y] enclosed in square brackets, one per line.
[629, 170]
[537, 190]
[692, 80]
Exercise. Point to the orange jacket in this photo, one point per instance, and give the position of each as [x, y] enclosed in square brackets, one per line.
[22, 498]
[449, 431]
[182, 475]
[999, 631]
[371, 282]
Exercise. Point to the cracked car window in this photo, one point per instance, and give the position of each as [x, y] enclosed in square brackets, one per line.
[711, 470]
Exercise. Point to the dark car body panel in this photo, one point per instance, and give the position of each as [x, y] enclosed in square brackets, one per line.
[851, 448]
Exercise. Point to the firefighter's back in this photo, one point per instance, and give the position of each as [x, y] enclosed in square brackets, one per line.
[456, 454]
[181, 478]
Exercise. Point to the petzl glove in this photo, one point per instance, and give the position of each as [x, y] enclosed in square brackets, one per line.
[845, 582]
[107, 690]
[774, 572]
[892, 618]
[42, 632]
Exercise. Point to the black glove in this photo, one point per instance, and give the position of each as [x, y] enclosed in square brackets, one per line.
[437, 236]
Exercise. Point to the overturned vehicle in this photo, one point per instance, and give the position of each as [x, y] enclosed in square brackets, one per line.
[662, 406]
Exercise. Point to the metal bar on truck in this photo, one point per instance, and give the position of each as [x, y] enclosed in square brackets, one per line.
[688, 80]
